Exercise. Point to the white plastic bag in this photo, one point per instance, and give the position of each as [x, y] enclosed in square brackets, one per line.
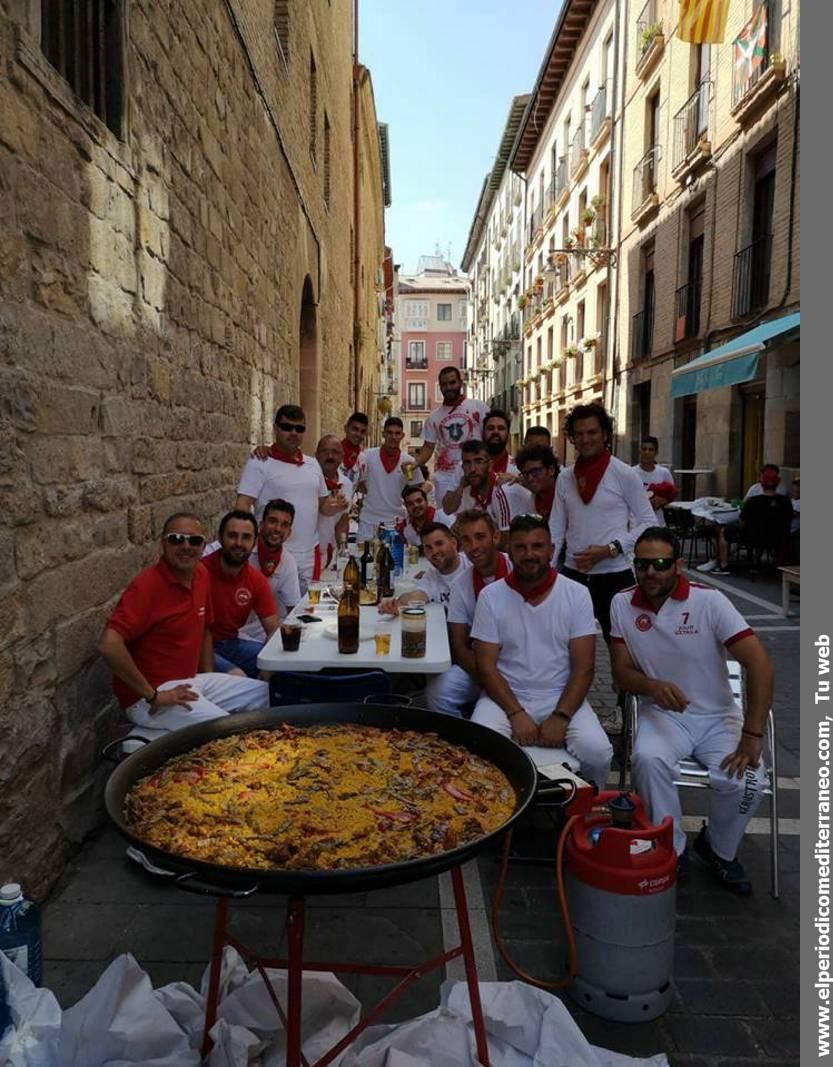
[33, 1039]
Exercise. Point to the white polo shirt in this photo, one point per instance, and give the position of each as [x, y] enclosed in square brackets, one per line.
[448, 427]
[383, 499]
[684, 642]
[327, 523]
[534, 656]
[619, 511]
[283, 583]
[301, 484]
[497, 505]
[521, 500]
[436, 586]
[414, 538]
[462, 602]
[655, 477]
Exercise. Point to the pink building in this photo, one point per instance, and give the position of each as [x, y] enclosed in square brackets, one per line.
[431, 316]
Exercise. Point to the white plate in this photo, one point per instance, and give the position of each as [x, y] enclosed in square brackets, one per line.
[366, 630]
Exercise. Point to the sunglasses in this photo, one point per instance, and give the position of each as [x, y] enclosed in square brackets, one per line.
[178, 539]
[663, 563]
[287, 427]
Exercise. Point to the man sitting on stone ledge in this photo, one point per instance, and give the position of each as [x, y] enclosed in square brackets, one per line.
[158, 643]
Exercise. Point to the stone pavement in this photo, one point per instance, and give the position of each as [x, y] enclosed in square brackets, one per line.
[735, 975]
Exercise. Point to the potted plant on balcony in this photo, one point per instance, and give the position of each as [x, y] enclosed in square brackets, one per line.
[523, 300]
[648, 34]
[588, 344]
[578, 237]
[571, 351]
[588, 216]
[598, 202]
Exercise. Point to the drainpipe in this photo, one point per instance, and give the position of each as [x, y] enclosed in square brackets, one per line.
[613, 358]
[356, 209]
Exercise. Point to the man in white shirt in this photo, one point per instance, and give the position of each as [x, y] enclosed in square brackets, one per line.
[600, 509]
[669, 642]
[386, 472]
[355, 432]
[330, 455]
[458, 419]
[292, 476]
[496, 438]
[446, 563]
[539, 467]
[478, 488]
[420, 514]
[769, 478]
[657, 480]
[534, 639]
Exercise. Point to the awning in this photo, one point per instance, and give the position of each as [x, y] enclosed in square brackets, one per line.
[734, 362]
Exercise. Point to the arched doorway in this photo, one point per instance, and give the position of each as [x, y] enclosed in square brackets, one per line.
[309, 365]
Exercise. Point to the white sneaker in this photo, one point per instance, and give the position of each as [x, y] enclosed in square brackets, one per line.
[709, 565]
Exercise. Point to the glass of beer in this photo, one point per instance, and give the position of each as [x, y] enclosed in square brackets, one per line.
[313, 594]
[408, 471]
[382, 643]
[291, 636]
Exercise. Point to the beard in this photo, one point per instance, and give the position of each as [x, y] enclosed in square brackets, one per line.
[495, 445]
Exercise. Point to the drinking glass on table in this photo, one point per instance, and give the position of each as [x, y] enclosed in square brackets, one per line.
[313, 594]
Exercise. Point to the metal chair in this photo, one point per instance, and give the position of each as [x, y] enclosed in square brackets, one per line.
[320, 687]
[691, 774]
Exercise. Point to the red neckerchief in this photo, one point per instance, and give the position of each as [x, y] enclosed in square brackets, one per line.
[483, 502]
[543, 501]
[666, 489]
[479, 583]
[589, 472]
[429, 517]
[333, 484]
[295, 458]
[351, 454]
[268, 559]
[390, 462]
[500, 463]
[537, 590]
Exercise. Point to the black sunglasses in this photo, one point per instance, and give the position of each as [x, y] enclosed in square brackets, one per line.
[178, 539]
[663, 563]
[298, 427]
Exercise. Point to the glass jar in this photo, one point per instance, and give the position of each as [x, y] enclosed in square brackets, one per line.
[414, 622]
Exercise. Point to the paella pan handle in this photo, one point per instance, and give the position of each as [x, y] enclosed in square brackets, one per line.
[399, 699]
[107, 750]
[556, 787]
[192, 883]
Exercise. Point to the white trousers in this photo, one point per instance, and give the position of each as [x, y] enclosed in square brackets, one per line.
[449, 691]
[585, 739]
[218, 695]
[663, 738]
[306, 564]
[367, 529]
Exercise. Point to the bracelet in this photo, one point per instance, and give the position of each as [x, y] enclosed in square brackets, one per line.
[512, 714]
[153, 697]
[751, 733]
[563, 715]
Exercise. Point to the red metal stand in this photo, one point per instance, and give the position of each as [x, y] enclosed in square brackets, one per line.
[295, 965]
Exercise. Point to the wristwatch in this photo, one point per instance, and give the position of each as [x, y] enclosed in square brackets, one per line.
[614, 548]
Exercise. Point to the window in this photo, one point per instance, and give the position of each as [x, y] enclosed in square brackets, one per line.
[688, 296]
[280, 20]
[416, 396]
[601, 327]
[752, 263]
[326, 160]
[416, 427]
[444, 312]
[642, 336]
[84, 41]
[416, 358]
[443, 350]
[416, 314]
[313, 109]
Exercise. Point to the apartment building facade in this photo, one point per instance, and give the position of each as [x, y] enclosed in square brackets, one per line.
[566, 149]
[710, 245]
[494, 261]
[431, 316]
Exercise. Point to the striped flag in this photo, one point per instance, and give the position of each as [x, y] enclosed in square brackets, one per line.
[703, 21]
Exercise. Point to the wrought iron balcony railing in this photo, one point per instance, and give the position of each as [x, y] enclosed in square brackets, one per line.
[750, 277]
[645, 176]
[691, 123]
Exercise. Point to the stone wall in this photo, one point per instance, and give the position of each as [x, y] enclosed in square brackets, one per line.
[151, 290]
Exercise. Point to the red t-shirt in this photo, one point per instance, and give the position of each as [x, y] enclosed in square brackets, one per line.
[235, 596]
[162, 623]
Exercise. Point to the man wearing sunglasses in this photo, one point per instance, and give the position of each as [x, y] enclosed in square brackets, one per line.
[669, 641]
[292, 476]
[158, 640]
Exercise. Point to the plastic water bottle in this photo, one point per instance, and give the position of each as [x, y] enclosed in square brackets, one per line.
[397, 549]
[20, 931]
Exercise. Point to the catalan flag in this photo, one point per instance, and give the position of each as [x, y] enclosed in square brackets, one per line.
[703, 21]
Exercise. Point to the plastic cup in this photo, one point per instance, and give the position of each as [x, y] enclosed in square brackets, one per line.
[291, 636]
[382, 643]
[313, 594]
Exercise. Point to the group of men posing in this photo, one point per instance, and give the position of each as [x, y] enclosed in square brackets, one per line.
[522, 633]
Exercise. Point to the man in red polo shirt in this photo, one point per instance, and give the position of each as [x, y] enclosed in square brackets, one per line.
[237, 590]
[158, 643]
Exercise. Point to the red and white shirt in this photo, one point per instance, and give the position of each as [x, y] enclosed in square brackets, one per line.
[447, 427]
[162, 623]
[658, 476]
[235, 596]
[494, 503]
[685, 642]
[534, 656]
[412, 537]
[301, 484]
[383, 499]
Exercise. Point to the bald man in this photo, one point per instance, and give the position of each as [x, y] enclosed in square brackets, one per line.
[330, 456]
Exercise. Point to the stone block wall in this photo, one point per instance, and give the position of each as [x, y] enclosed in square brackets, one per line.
[150, 298]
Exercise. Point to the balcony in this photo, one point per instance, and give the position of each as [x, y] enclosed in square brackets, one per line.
[750, 277]
[650, 40]
[551, 196]
[562, 182]
[691, 132]
[687, 310]
[599, 117]
[578, 154]
[757, 72]
[642, 333]
[416, 363]
[645, 199]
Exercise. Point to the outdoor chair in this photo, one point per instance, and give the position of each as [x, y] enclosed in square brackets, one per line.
[691, 774]
[322, 687]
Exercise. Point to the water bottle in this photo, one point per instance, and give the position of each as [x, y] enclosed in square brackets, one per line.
[20, 931]
[397, 550]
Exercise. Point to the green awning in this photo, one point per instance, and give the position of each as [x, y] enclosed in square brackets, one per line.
[734, 362]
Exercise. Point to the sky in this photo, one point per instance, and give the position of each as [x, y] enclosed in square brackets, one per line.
[444, 74]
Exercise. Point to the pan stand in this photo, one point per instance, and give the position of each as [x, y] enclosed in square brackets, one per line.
[295, 965]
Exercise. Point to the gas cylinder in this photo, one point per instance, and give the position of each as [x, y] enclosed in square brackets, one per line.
[620, 876]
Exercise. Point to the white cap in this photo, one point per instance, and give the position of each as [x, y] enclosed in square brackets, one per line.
[10, 893]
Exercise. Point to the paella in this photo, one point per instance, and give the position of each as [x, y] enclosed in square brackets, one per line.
[319, 797]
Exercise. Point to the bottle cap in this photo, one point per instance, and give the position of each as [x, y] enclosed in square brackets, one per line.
[10, 893]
